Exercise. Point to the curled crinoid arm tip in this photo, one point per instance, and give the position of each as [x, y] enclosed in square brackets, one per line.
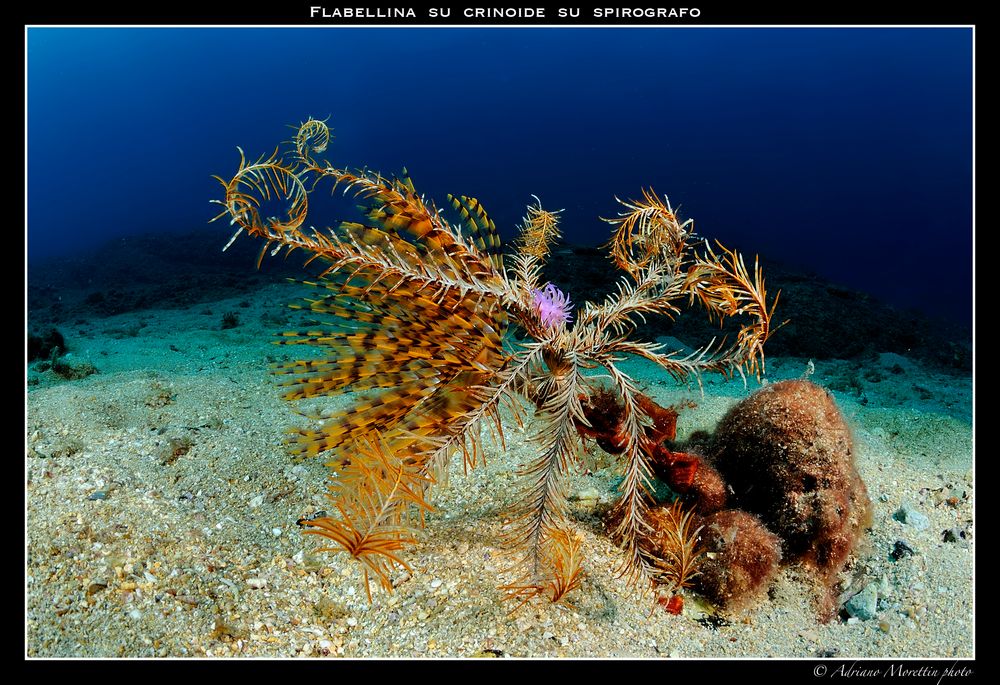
[649, 232]
[312, 135]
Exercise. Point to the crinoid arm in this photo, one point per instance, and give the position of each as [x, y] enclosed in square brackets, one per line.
[649, 233]
[538, 231]
[674, 543]
[542, 507]
[724, 286]
[562, 559]
[377, 496]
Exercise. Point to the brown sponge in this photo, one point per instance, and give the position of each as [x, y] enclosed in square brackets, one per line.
[787, 455]
[741, 558]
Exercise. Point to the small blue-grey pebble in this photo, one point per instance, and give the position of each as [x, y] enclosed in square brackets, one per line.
[864, 605]
[911, 517]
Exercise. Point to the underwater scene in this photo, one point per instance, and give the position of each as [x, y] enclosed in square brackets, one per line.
[499, 343]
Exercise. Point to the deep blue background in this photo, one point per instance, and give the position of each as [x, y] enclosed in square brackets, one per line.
[844, 151]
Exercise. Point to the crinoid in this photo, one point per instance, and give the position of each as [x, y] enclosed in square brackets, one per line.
[416, 306]
[674, 542]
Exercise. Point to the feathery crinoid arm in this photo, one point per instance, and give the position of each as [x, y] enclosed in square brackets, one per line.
[725, 287]
[629, 512]
[562, 556]
[678, 546]
[538, 520]
[650, 232]
[538, 231]
[378, 495]
[649, 244]
[312, 136]
[269, 184]
[656, 250]
[402, 236]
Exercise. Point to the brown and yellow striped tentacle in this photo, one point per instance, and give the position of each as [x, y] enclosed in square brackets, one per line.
[480, 227]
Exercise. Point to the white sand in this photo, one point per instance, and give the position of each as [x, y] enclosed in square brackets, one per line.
[198, 553]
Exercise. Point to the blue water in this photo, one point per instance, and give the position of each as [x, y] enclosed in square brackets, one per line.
[843, 151]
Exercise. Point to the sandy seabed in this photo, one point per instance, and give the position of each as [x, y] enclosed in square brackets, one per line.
[161, 517]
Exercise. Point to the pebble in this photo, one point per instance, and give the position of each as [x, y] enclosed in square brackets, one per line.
[864, 605]
[909, 516]
[276, 532]
[900, 550]
[351, 621]
[100, 494]
[256, 583]
[436, 583]
[135, 614]
[955, 534]
[256, 501]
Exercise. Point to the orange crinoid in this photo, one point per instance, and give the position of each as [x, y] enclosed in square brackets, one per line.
[416, 304]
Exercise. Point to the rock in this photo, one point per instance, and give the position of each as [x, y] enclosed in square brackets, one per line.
[896, 363]
[957, 535]
[257, 583]
[864, 605]
[900, 550]
[586, 496]
[100, 494]
[909, 516]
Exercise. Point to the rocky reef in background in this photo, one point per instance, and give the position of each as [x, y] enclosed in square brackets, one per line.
[825, 320]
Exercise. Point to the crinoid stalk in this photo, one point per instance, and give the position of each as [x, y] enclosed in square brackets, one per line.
[417, 306]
